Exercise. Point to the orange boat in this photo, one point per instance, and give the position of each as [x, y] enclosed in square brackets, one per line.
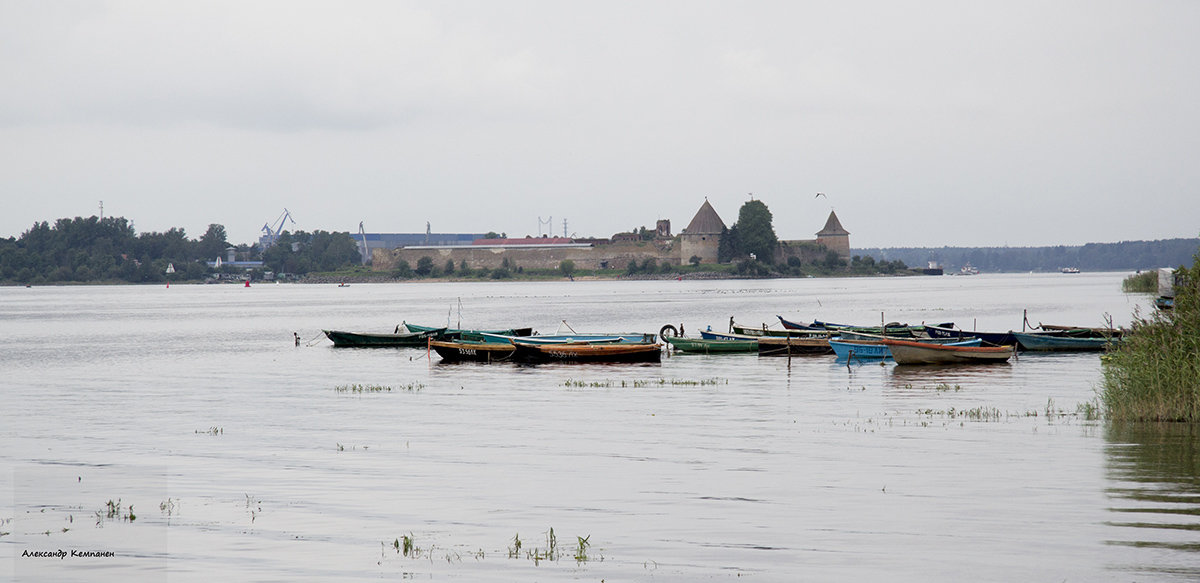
[907, 352]
[587, 352]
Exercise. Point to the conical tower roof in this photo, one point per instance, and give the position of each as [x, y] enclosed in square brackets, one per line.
[706, 222]
[832, 227]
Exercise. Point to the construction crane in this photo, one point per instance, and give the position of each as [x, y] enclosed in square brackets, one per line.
[270, 235]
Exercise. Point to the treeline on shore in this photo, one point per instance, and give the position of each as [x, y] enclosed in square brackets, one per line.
[110, 250]
[1126, 255]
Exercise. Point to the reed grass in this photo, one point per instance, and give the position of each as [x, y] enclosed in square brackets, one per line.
[1145, 282]
[637, 384]
[357, 388]
[1155, 374]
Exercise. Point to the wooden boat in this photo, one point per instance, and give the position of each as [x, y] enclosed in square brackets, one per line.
[988, 338]
[342, 339]
[790, 325]
[909, 352]
[874, 349]
[454, 331]
[712, 335]
[585, 338]
[1063, 342]
[1082, 331]
[711, 346]
[473, 350]
[894, 329]
[777, 346]
[588, 352]
[764, 331]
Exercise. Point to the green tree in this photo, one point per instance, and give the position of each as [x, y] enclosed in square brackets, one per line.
[755, 231]
[403, 269]
[424, 266]
[213, 242]
[567, 267]
[729, 246]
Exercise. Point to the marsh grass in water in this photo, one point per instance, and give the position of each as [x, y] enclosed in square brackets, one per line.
[406, 546]
[356, 388]
[637, 384]
[1155, 374]
[115, 511]
[1145, 282]
[212, 431]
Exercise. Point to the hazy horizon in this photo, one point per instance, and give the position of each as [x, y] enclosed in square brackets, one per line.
[937, 124]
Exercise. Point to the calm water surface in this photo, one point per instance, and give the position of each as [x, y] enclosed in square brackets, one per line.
[243, 461]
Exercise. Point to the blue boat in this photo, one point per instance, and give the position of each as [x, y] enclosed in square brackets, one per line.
[1044, 342]
[877, 350]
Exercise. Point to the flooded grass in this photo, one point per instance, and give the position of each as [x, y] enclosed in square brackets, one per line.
[1145, 282]
[114, 511]
[637, 384]
[406, 546]
[1155, 374]
[370, 388]
[356, 388]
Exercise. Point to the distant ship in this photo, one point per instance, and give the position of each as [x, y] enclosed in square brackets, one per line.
[968, 269]
[1070, 270]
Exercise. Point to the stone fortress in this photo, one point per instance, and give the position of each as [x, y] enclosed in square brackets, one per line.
[701, 239]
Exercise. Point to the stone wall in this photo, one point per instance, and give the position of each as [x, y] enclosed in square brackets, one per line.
[614, 256]
[807, 251]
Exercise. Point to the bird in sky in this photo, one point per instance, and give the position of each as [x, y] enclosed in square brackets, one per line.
[819, 194]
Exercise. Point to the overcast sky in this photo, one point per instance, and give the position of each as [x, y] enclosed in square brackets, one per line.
[925, 124]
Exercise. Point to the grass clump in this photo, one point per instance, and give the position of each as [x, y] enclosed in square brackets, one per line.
[1145, 282]
[609, 383]
[1155, 374]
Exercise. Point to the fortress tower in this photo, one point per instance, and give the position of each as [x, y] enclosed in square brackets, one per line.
[702, 236]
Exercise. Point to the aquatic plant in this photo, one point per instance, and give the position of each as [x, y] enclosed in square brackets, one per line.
[637, 384]
[515, 550]
[582, 547]
[356, 388]
[214, 430]
[1145, 282]
[1154, 375]
[113, 510]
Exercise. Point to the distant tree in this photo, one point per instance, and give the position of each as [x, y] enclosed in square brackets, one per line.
[567, 267]
[729, 246]
[213, 242]
[755, 233]
[649, 265]
[424, 266]
[402, 270]
[694, 260]
[449, 268]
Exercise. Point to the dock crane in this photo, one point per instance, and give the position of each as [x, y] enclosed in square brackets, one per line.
[270, 235]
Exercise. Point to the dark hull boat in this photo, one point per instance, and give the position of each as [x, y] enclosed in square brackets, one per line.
[342, 339]
[474, 351]
[988, 338]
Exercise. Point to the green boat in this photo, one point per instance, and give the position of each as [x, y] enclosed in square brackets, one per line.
[343, 339]
[700, 345]
[444, 331]
[764, 331]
